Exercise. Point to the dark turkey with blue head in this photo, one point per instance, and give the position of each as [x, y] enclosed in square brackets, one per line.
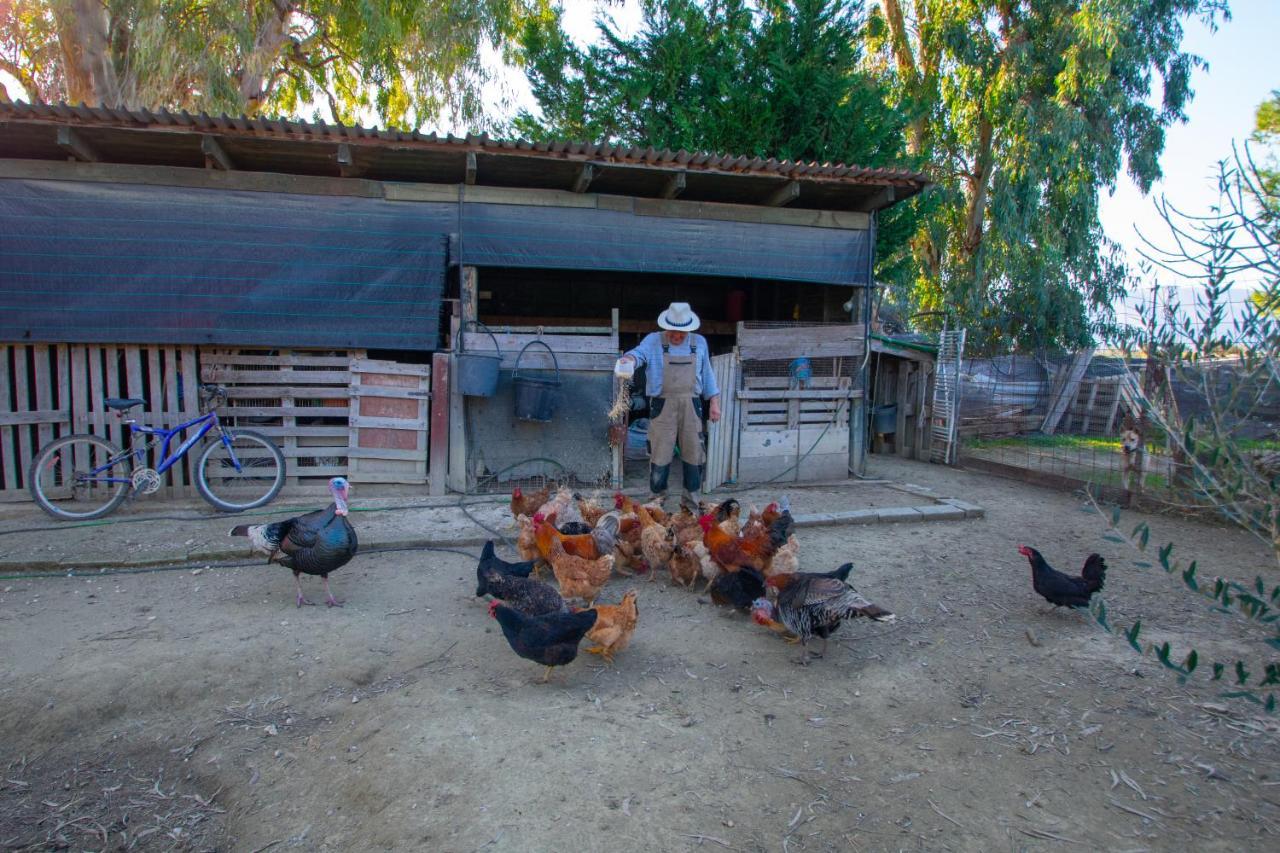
[313, 544]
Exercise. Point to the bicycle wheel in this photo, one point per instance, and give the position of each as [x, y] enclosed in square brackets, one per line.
[79, 477]
[256, 483]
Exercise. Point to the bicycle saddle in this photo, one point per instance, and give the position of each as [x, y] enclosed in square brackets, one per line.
[123, 403]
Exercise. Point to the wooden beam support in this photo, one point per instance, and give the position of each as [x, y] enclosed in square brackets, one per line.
[674, 185]
[783, 195]
[70, 140]
[215, 155]
[471, 168]
[586, 175]
[878, 200]
[346, 157]
[438, 434]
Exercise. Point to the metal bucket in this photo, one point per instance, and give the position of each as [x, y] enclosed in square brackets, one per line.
[885, 419]
[478, 374]
[535, 396]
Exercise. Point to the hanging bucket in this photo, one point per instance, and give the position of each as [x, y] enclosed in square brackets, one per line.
[478, 372]
[885, 419]
[535, 396]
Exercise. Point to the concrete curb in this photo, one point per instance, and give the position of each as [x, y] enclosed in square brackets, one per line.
[949, 509]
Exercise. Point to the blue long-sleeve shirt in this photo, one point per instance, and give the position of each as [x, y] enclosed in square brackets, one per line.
[649, 353]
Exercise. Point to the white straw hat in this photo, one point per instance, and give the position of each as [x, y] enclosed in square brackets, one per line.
[679, 317]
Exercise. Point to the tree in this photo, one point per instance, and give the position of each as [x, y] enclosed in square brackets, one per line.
[407, 61]
[1028, 108]
[769, 79]
[1266, 133]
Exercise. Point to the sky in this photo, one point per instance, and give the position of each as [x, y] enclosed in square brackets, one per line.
[1241, 71]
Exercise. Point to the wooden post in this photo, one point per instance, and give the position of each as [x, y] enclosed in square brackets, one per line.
[900, 437]
[438, 466]
[458, 475]
[470, 295]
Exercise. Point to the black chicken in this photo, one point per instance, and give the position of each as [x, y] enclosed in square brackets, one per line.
[1063, 590]
[737, 588]
[491, 562]
[530, 596]
[314, 544]
[551, 639]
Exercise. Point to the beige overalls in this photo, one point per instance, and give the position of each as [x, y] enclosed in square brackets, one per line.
[677, 420]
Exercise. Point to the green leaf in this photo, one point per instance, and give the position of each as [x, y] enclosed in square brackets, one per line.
[1270, 705]
[1189, 576]
[1242, 674]
[1273, 642]
[1218, 669]
[1132, 636]
[1111, 537]
[1192, 659]
[1164, 557]
[1273, 674]
[1242, 694]
[1115, 517]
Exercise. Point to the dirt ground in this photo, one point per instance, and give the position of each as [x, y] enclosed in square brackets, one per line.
[215, 715]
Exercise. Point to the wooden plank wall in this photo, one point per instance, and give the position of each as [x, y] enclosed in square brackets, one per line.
[389, 422]
[300, 398]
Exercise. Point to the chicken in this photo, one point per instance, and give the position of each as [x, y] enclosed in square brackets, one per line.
[626, 504]
[738, 588]
[786, 560]
[562, 507]
[655, 542]
[615, 623]
[544, 533]
[526, 542]
[550, 639]
[490, 562]
[685, 565]
[1063, 590]
[531, 597]
[813, 605]
[591, 511]
[314, 544]
[605, 533]
[579, 577]
[750, 548]
[527, 505]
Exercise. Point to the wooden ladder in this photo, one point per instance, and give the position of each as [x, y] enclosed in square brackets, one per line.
[946, 397]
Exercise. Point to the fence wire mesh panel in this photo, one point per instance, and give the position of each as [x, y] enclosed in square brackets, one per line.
[1076, 418]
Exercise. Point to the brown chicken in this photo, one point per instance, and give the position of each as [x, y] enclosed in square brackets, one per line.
[591, 511]
[685, 564]
[626, 504]
[754, 548]
[615, 623]
[655, 542]
[544, 532]
[786, 560]
[527, 505]
[526, 544]
[579, 577]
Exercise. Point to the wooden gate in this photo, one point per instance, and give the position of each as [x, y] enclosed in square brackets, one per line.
[389, 422]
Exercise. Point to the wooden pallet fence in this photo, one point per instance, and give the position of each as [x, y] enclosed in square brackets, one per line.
[297, 397]
[389, 422]
[34, 409]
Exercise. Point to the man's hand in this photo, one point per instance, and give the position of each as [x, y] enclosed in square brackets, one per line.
[714, 414]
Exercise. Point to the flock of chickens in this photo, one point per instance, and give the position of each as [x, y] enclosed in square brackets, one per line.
[752, 566]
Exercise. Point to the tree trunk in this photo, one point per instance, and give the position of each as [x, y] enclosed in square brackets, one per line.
[257, 76]
[900, 44]
[84, 35]
[979, 188]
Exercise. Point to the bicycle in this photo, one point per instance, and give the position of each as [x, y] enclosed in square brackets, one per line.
[82, 477]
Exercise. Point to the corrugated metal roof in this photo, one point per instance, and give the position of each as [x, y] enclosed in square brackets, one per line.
[293, 129]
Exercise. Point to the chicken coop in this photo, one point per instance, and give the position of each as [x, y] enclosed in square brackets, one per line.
[350, 285]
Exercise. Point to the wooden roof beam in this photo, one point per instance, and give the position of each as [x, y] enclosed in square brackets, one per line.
[783, 195]
[471, 168]
[70, 140]
[674, 185]
[585, 176]
[216, 155]
[882, 198]
[346, 157]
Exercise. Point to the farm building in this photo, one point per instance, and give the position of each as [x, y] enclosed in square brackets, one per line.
[346, 284]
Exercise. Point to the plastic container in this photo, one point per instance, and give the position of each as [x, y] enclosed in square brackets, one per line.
[477, 372]
[536, 396]
[885, 419]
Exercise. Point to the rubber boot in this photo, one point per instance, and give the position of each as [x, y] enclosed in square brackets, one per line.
[692, 488]
[658, 475]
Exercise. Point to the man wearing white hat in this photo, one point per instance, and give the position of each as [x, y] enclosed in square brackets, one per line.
[678, 379]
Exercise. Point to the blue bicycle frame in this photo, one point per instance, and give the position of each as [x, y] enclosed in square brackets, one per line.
[207, 421]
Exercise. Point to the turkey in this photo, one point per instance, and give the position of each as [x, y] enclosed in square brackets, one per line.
[813, 605]
[315, 544]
